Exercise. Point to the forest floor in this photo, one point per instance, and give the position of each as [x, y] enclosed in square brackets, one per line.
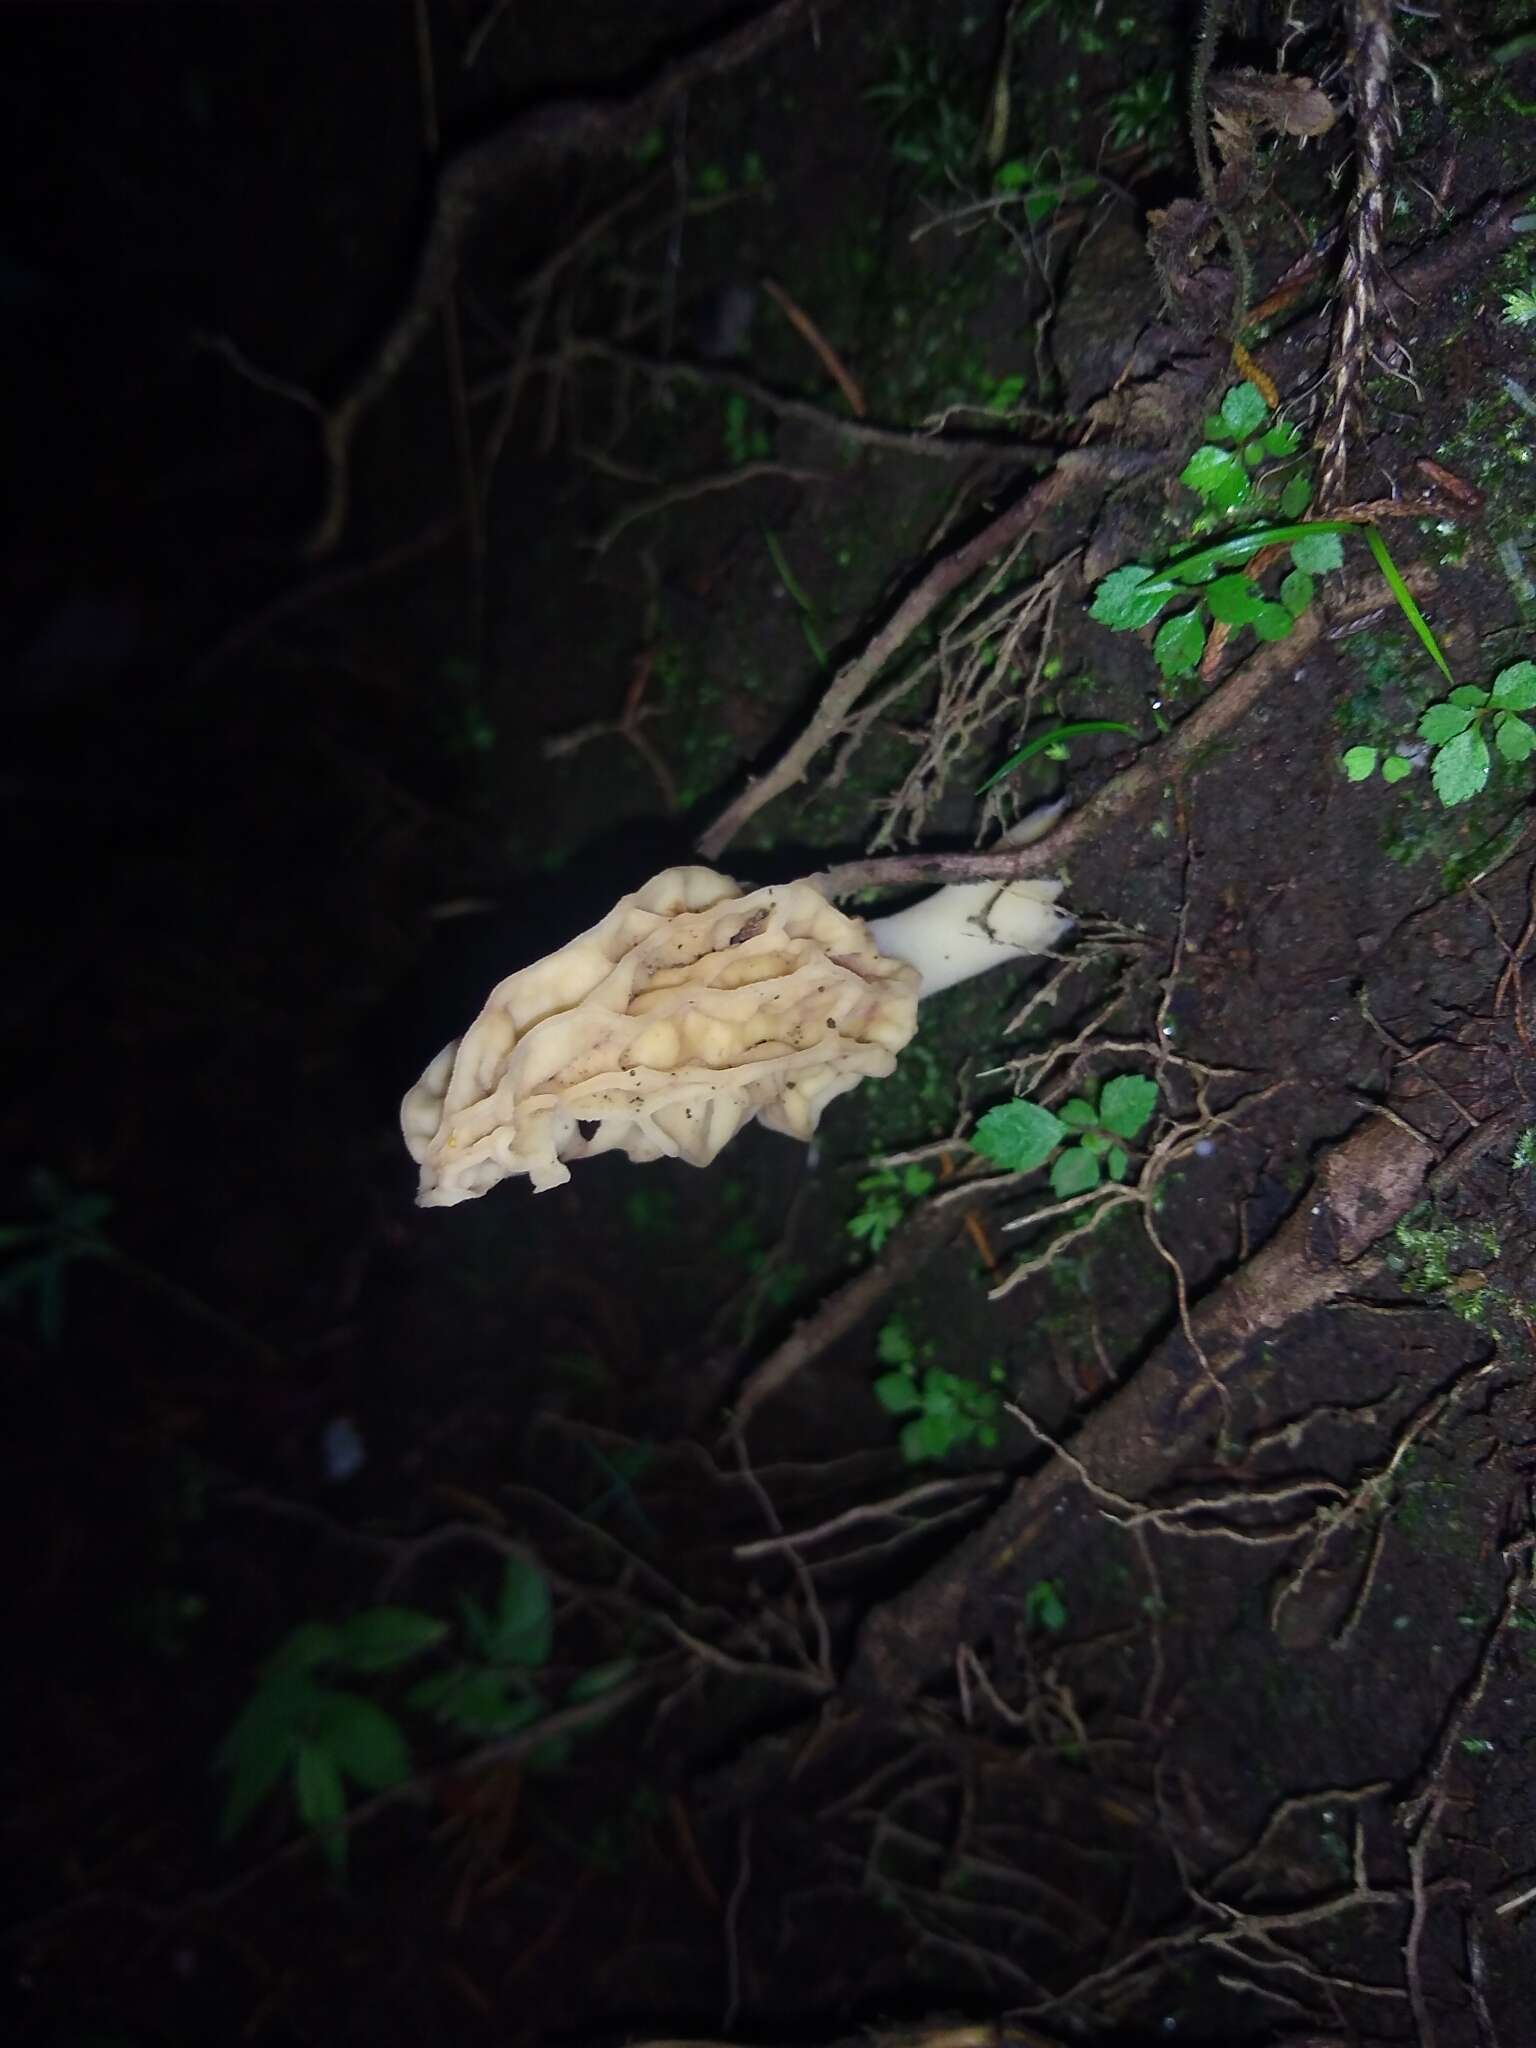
[1177, 1682]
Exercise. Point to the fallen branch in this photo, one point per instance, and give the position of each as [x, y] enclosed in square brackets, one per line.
[1079, 470]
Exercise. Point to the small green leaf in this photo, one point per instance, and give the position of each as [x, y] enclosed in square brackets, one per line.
[1129, 598]
[898, 1394]
[1514, 738]
[1179, 644]
[1079, 1113]
[1234, 600]
[311, 1644]
[1244, 409]
[1253, 455]
[1075, 1172]
[1360, 763]
[1405, 600]
[1296, 497]
[524, 1621]
[917, 1180]
[1395, 768]
[427, 1695]
[1043, 1603]
[1296, 592]
[256, 1752]
[1018, 1136]
[1284, 439]
[1273, 622]
[1442, 722]
[362, 1740]
[381, 1637]
[1219, 477]
[1118, 1164]
[1514, 688]
[1216, 429]
[894, 1346]
[930, 1436]
[482, 1705]
[1127, 1103]
[322, 1800]
[1097, 1142]
[602, 1678]
[1469, 696]
[1317, 553]
[1461, 767]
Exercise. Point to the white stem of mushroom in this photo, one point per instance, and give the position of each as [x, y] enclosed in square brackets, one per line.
[971, 927]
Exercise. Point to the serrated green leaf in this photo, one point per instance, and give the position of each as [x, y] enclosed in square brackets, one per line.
[482, 1704]
[1273, 622]
[1514, 738]
[1179, 644]
[427, 1695]
[1395, 768]
[1118, 1164]
[362, 1739]
[600, 1679]
[1360, 763]
[1296, 592]
[1461, 767]
[1514, 688]
[1129, 598]
[524, 1626]
[1219, 477]
[1442, 722]
[1317, 553]
[917, 1180]
[322, 1799]
[313, 1643]
[1245, 409]
[898, 1394]
[381, 1637]
[929, 1436]
[1233, 600]
[1075, 1172]
[1469, 696]
[1283, 439]
[1079, 1113]
[1296, 497]
[256, 1752]
[1018, 1136]
[1127, 1103]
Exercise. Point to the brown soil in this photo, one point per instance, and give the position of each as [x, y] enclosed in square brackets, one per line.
[1214, 1728]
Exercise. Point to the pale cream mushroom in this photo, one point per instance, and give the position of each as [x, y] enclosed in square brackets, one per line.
[690, 1009]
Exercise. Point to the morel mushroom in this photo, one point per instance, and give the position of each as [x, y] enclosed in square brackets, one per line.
[690, 1009]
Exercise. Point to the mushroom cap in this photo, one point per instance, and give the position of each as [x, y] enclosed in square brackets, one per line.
[690, 1009]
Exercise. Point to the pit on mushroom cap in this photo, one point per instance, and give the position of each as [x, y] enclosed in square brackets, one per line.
[688, 1011]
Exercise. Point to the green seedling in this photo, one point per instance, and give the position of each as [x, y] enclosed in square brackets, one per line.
[1044, 1607]
[321, 1738]
[943, 1410]
[1519, 308]
[1085, 1141]
[888, 1195]
[1228, 473]
[796, 590]
[1463, 733]
[301, 1728]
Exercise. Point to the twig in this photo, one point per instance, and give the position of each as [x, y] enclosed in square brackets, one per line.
[809, 332]
[1079, 470]
[733, 1921]
[870, 1511]
[1002, 449]
[700, 487]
